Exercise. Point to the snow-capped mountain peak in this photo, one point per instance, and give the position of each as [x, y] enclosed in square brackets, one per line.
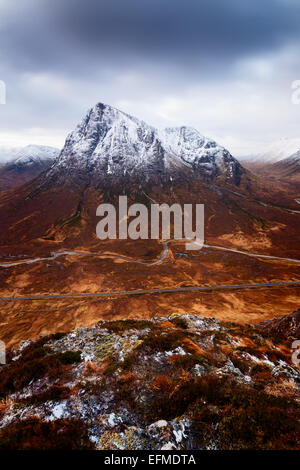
[192, 147]
[25, 164]
[35, 154]
[277, 150]
[108, 138]
[109, 141]
[295, 158]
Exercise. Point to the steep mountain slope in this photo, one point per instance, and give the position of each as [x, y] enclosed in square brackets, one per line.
[289, 168]
[110, 142]
[8, 153]
[35, 153]
[273, 154]
[275, 151]
[26, 165]
[286, 169]
[111, 153]
[200, 153]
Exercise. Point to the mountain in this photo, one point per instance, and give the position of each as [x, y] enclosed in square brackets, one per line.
[111, 153]
[180, 382]
[288, 168]
[264, 162]
[33, 154]
[285, 169]
[7, 154]
[26, 164]
[49, 250]
[111, 142]
[276, 151]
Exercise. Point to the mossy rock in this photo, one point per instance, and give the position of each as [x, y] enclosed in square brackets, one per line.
[119, 326]
[131, 347]
[111, 440]
[134, 441]
[107, 348]
[129, 440]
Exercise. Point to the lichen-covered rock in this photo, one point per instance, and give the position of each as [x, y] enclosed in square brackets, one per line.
[182, 382]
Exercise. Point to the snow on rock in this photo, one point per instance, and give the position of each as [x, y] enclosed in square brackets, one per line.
[109, 141]
[145, 387]
[193, 149]
[295, 158]
[168, 446]
[277, 150]
[179, 430]
[35, 153]
[59, 411]
[162, 423]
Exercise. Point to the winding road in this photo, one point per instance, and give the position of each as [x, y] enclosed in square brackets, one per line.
[162, 257]
[253, 255]
[57, 254]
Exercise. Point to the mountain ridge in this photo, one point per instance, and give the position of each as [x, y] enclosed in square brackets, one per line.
[288, 168]
[111, 153]
[110, 142]
[26, 164]
[275, 151]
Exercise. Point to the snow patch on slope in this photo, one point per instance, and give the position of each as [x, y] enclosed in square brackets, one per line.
[295, 158]
[277, 151]
[111, 141]
[35, 153]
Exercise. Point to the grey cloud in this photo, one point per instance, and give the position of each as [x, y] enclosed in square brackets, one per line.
[134, 50]
[65, 34]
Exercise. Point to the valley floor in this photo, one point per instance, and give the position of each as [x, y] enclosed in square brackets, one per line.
[75, 289]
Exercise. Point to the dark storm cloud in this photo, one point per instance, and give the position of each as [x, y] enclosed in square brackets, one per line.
[52, 34]
[180, 30]
[58, 57]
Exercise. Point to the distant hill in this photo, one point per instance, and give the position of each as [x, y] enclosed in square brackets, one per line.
[25, 164]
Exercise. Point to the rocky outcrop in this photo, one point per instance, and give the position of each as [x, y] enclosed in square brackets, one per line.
[182, 382]
[283, 327]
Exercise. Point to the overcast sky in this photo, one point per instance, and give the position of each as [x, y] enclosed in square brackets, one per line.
[224, 67]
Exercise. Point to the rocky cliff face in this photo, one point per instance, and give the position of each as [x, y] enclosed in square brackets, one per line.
[110, 142]
[182, 382]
